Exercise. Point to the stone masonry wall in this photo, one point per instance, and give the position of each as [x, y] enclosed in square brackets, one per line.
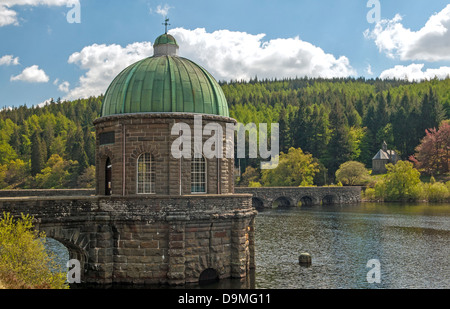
[148, 240]
[294, 195]
[136, 134]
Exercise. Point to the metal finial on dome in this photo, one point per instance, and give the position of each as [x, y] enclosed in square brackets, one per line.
[166, 23]
[165, 44]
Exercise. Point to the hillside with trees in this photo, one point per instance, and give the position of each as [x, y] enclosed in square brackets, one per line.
[332, 121]
[49, 147]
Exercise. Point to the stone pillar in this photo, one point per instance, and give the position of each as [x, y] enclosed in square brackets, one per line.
[176, 274]
[251, 239]
[239, 249]
[100, 262]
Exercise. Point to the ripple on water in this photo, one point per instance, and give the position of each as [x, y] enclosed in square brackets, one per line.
[411, 242]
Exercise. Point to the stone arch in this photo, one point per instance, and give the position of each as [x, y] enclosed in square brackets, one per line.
[257, 203]
[151, 148]
[329, 199]
[282, 202]
[209, 275]
[105, 153]
[74, 241]
[307, 201]
[61, 253]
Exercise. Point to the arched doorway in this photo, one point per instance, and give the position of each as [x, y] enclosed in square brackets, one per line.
[108, 177]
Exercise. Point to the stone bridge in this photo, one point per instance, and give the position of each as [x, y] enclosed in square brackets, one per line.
[144, 240]
[306, 196]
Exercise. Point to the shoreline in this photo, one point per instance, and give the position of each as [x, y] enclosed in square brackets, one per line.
[402, 202]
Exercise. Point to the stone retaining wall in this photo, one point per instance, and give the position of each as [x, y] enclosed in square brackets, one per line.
[148, 240]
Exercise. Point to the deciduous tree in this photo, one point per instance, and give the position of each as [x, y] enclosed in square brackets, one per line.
[295, 169]
[352, 173]
[433, 154]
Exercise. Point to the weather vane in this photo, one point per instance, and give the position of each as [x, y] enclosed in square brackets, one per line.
[166, 23]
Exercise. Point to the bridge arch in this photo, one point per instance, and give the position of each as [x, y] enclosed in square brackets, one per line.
[329, 200]
[209, 275]
[282, 202]
[59, 251]
[72, 240]
[307, 201]
[257, 203]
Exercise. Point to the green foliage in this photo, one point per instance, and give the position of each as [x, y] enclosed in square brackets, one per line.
[401, 183]
[253, 184]
[87, 178]
[337, 120]
[294, 169]
[334, 120]
[369, 194]
[251, 175]
[24, 262]
[13, 173]
[435, 192]
[30, 137]
[56, 174]
[352, 173]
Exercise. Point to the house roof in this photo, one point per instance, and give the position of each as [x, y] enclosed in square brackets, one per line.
[381, 155]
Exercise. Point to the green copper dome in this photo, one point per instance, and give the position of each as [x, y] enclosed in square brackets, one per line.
[164, 83]
[165, 39]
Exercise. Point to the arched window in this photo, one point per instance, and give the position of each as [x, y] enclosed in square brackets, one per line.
[146, 177]
[198, 175]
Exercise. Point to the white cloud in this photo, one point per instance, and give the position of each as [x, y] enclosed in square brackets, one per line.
[9, 16]
[238, 55]
[11, 3]
[64, 87]
[103, 63]
[162, 10]
[430, 43]
[415, 72]
[369, 69]
[9, 60]
[46, 102]
[31, 75]
[225, 54]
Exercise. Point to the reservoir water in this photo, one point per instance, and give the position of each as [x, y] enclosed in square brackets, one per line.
[410, 241]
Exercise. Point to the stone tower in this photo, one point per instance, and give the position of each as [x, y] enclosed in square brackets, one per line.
[180, 220]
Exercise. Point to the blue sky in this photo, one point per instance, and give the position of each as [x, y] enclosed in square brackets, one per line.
[44, 56]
